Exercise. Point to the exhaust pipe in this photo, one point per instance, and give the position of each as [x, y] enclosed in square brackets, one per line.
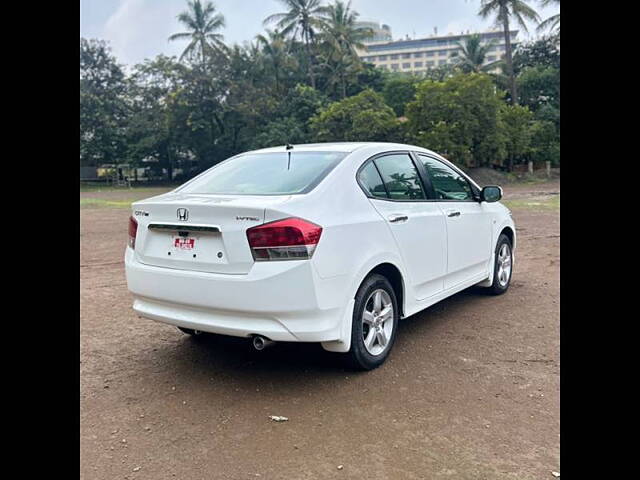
[260, 342]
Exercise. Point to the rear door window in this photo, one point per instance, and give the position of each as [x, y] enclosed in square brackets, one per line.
[400, 176]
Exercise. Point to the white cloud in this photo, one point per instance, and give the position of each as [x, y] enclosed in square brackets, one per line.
[139, 29]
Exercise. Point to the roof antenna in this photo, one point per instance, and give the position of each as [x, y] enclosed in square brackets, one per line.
[289, 147]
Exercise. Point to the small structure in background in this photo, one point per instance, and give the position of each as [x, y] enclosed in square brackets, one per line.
[116, 175]
[108, 174]
[381, 33]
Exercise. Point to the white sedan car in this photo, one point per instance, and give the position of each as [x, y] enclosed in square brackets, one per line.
[331, 243]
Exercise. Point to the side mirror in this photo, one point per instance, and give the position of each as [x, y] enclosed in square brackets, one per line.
[491, 193]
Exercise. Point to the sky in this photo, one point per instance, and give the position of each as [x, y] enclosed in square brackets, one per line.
[138, 29]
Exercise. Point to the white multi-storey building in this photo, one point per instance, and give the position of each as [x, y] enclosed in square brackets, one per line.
[420, 55]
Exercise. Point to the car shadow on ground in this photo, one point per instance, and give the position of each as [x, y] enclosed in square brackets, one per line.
[222, 356]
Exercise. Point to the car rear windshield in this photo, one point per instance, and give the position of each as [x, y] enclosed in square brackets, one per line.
[266, 174]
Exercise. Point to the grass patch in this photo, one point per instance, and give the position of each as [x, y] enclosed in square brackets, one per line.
[547, 204]
[102, 203]
[109, 188]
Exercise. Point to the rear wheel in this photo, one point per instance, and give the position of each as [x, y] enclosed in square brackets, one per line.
[189, 331]
[375, 321]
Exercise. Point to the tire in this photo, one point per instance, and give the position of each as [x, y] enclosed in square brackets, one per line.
[189, 331]
[502, 276]
[368, 356]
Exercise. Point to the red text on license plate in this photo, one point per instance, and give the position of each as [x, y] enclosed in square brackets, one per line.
[184, 243]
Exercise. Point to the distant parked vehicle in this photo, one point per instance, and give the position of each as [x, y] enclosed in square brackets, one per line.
[329, 243]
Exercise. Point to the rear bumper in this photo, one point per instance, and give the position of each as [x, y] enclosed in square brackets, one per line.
[283, 301]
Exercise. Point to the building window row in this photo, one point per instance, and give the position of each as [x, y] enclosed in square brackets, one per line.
[426, 43]
[432, 53]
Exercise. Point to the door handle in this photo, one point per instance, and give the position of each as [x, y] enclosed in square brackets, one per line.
[396, 218]
[453, 214]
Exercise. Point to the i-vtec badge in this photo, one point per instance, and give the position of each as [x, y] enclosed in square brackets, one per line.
[183, 214]
[139, 213]
[254, 219]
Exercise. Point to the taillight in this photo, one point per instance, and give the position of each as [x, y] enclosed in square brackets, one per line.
[288, 239]
[133, 230]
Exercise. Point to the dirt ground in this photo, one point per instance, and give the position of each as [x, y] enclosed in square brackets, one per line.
[470, 391]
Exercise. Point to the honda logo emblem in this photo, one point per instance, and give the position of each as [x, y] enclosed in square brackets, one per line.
[183, 214]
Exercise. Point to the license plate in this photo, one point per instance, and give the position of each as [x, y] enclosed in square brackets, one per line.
[184, 243]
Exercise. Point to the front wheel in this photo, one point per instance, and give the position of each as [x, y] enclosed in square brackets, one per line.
[375, 321]
[503, 266]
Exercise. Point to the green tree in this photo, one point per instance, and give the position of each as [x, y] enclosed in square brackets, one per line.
[275, 52]
[546, 136]
[341, 30]
[473, 54]
[363, 117]
[279, 132]
[341, 36]
[340, 69]
[200, 108]
[292, 118]
[441, 72]
[399, 89]
[152, 131]
[104, 105]
[545, 143]
[544, 52]
[301, 18]
[367, 77]
[504, 11]
[517, 122]
[302, 103]
[459, 118]
[539, 86]
[222, 101]
[202, 23]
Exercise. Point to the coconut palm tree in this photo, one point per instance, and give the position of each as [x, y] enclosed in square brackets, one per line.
[341, 37]
[339, 67]
[275, 51]
[472, 55]
[301, 18]
[339, 27]
[202, 23]
[504, 11]
[553, 22]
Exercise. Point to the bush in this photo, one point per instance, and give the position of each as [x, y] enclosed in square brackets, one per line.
[361, 118]
[459, 118]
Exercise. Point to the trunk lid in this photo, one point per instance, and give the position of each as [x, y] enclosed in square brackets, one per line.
[200, 232]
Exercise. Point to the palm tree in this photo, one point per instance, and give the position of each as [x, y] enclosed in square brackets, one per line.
[503, 11]
[275, 51]
[342, 36]
[301, 18]
[202, 23]
[473, 54]
[553, 22]
[340, 28]
[339, 67]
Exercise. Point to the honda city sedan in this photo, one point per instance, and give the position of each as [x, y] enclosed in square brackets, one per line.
[331, 243]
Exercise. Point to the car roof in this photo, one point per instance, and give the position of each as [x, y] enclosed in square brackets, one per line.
[346, 147]
[372, 148]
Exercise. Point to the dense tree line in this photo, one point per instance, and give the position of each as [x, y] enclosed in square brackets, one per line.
[302, 81]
